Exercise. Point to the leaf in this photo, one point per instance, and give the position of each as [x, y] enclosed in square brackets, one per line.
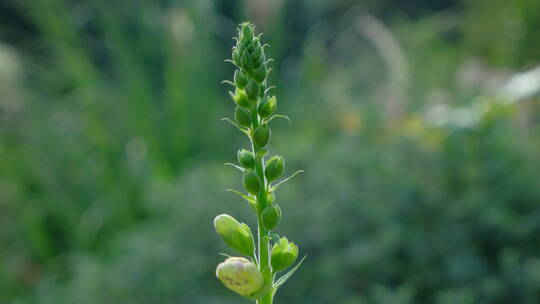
[228, 82]
[228, 60]
[244, 130]
[268, 89]
[276, 186]
[247, 198]
[236, 166]
[252, 202]
[278, 116]
[286, 276]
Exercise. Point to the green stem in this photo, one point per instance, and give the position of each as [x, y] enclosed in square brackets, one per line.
[263, 241]
[264, 263]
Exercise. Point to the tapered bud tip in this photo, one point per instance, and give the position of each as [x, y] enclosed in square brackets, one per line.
[224, 222]
[236, 57]
[274, 168]
[270, 216]
[247, 30]
[240, 275]
[252, 182]
[236, 235]
[284, 253]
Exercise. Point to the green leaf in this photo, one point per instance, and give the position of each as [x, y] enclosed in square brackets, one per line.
[228, 82]
[276, 186]
[268, 89]
[286, 276]
[278, 116]
[239, 127]
[235, 166]
[252, 202]
[228, 60]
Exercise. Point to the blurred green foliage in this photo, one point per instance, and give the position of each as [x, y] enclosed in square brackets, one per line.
[420, 185]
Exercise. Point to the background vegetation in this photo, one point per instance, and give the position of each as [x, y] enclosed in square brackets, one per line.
[417, 127]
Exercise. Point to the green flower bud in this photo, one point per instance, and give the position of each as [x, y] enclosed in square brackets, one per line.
[240, 275]
[240, 98]
[242, 116]
[247, 61]
[270, 216]
[257, 51]
[236, 57]
[240, 79]
[274, 168]
[236, 235]
[247, 31]
[251, 46]
[246, 159]
[267, 107]
[261, 135]
[260, 73]
[263, 88]
[283, 254]
[252, 182]
[252, 89]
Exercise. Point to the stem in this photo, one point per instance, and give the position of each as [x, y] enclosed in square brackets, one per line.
[263, 242]
[264, 263]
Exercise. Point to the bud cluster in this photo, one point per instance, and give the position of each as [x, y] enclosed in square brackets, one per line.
[254, 109]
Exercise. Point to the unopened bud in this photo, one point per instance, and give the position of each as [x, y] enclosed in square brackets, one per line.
[242, 116]
[267, 107]
[260, 73]
[246, 159]
[274, 168]
[247, 31]
[270, 216]
[240, 79]
[236, 235]
[252, 182]
[240, 98]
[257, 51]
[240, 275]
[283, 254]
[252, 89]
[261, 135]
[247, 61]
[251, 47]
[236, 57]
